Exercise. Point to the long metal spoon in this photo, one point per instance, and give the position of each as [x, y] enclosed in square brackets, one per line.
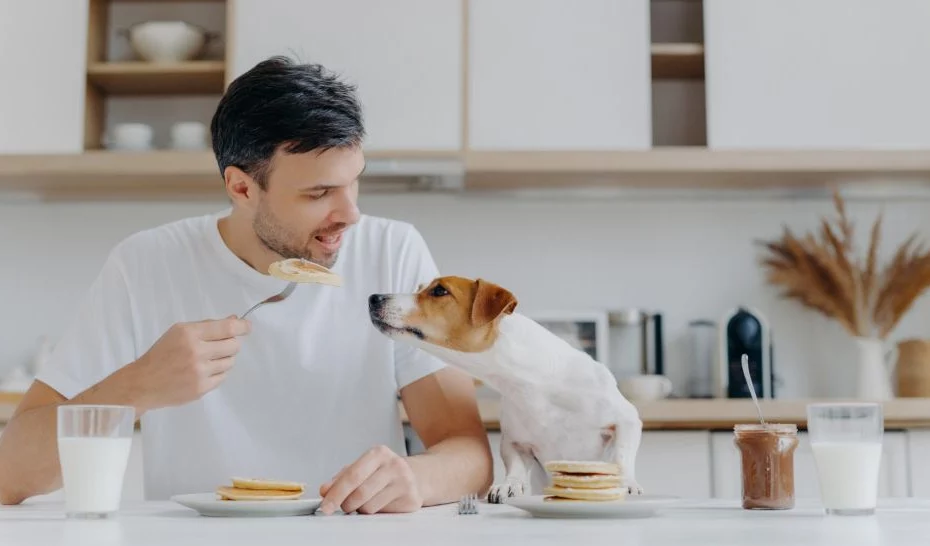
[277, 297]
[752, 390]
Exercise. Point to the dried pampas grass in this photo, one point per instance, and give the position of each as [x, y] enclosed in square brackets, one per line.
[822, 274]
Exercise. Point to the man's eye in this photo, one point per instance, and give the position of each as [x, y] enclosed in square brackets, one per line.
[439, 291]
[317, 194]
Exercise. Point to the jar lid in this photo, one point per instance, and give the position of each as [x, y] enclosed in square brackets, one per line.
[783, 428]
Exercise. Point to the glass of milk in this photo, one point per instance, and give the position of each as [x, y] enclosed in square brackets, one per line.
[93, 448]
[847, 443]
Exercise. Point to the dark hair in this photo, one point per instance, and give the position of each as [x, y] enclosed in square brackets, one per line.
[278, 102]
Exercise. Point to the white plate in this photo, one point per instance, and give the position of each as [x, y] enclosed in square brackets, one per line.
[638, 506]
[207, 505]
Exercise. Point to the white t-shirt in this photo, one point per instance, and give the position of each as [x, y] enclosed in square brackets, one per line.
[314, 384]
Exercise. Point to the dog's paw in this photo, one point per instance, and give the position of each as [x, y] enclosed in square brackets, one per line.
[633, 488]
[501, 491]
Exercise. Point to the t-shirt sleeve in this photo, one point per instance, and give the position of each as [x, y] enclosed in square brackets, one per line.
[416, 267]
[98, 339]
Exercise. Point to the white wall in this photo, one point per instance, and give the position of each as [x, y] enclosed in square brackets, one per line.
[686, 259]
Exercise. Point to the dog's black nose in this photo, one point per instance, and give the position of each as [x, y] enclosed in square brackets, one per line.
[375, 300]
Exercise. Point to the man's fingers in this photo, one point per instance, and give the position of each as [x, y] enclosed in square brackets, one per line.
[381, 499]
[213, 330]
[350, 478]
[219, 366]
[368, 490]
[215, 350]
[214, 381]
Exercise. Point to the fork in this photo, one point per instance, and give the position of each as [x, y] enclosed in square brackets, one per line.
[468, 504]
[273, 299]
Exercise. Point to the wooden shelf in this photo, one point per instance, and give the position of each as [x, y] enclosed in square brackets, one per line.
[677, 61]
[696, 168]
[161, 174]
[144, 78]
[168, 175]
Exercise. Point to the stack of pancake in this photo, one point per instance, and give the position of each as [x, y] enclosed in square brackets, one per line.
[584, 481]
[249, 489]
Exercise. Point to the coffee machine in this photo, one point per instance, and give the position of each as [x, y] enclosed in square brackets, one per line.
[744, 330]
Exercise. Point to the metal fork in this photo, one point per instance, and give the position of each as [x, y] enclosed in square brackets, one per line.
[273, 299]
[468, 504]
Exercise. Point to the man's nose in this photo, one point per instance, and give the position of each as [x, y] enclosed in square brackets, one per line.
[346, 210]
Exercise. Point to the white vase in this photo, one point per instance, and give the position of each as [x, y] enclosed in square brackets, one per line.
[873, 379]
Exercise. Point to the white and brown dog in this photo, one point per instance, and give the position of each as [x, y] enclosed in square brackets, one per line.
[557, 403]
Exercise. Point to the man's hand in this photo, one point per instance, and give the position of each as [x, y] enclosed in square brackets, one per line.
[189, 360]
[379, 481]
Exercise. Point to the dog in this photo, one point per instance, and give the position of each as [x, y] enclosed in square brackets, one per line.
[557, 402]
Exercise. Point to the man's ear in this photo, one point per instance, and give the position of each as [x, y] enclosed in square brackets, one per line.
[490, 302]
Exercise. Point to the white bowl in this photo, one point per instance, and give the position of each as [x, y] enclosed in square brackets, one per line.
[167, 41]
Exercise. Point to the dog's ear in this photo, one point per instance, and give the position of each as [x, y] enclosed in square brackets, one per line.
[490, 302]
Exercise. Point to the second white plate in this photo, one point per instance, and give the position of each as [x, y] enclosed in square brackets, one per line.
[206, 504]
[638, 506]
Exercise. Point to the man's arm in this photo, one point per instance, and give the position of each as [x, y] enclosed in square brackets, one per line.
[189, 360]
[444, 413]
[29, 463]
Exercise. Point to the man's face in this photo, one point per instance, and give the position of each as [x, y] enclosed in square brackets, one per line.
[309, 202]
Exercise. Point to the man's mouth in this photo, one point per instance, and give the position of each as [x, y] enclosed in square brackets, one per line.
[330, 242]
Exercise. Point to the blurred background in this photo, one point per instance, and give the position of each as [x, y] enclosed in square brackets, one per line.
[616, 164]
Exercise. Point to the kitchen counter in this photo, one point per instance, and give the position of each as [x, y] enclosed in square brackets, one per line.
[899, 522]
[685, 414]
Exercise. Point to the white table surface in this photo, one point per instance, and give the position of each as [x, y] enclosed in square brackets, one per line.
[898, 522]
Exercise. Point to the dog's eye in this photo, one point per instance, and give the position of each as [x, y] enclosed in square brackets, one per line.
[438, 291]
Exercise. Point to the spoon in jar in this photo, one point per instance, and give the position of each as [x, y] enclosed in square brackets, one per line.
[752, 390]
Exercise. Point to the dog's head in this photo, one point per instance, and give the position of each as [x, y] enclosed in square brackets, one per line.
[451, 312]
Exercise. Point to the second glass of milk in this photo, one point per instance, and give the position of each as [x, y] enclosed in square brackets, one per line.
[846, 440]
[93, 447]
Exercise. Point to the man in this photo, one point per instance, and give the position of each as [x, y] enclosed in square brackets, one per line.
[305, 389]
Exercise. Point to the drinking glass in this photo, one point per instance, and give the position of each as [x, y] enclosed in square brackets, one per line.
[93, 448]
[846, 439]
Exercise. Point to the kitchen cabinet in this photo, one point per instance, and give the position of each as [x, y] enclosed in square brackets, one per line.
[784, 74]
[893, 478]
[557, 75]
[919, 455]
[404, 55]
[43, 57]
[675, 463]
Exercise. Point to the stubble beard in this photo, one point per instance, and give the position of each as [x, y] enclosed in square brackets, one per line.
[279, 239]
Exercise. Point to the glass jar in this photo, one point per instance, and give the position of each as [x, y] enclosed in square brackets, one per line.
[767, 461]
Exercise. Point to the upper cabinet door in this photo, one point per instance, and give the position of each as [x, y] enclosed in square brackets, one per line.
[43, 59]
[559, 75]
[404, 55]
[830, 74]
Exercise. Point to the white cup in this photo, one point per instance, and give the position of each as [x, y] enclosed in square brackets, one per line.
[846, 439]
[646, 387]
[93, 449]
[129, 136]
[189, 135]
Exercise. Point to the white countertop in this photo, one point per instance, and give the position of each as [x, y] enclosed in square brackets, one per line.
[898, 522]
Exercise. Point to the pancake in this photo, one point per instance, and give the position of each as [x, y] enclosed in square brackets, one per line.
[583, 467]
[265, 485]
[585, 481]
[303, 271]
[236, 494]
[578, 494]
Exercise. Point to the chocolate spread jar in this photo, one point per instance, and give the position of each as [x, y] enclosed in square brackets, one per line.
[767, 460]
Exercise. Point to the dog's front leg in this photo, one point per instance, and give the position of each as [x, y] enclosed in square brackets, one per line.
[518, 460]
[622, 445]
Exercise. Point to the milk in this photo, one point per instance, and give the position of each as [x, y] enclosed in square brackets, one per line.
[92, 470]
[848, 474]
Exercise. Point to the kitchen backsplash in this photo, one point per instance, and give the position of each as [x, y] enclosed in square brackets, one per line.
[686, 259]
